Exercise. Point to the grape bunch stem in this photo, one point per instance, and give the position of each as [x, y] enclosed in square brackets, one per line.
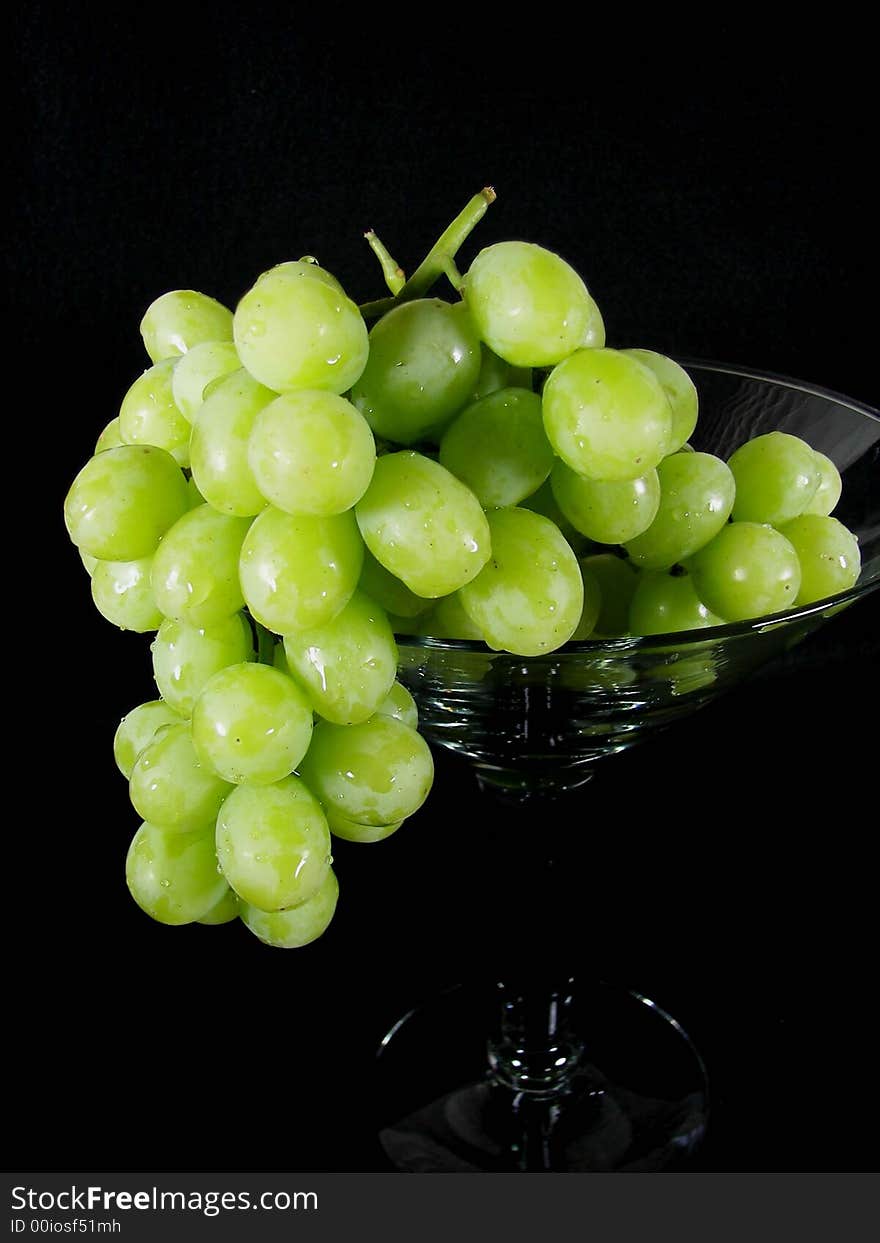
[438, 261]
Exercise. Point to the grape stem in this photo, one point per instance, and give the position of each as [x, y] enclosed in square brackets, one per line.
[395, 277]
[439, 259]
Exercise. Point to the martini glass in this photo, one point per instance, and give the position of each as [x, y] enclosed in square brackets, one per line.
[540, 1068]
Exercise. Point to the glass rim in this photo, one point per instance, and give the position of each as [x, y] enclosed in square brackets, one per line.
[680, 638]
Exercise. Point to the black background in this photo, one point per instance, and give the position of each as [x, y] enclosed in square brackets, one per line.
[710, 184]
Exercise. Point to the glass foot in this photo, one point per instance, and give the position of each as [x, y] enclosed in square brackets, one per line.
[636, 1100]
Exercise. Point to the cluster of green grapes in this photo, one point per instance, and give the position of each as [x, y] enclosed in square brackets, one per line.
[282, 491]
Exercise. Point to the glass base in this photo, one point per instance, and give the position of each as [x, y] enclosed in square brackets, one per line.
[636, 1101]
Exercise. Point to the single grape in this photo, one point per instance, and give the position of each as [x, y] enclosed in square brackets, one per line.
[542, 501]
[137, 729]
[664, 603]
[351, 831]
[423, 525]
[347, 665]
[529, 596]
[219, 444]
[122, 593]
[123, 501]
[400, 704]
[696, 497]
[606, 415]
[273, 844]
[374, 773]
[592, 607]
[748, 570]
[311, 452]
[173, 877]
[827, 494]
[777, 476]
[617, 583]
[298, 926]
[251, 723]
[607, 512]
[149, 416]
[680, 391]
[298, 571]
[170, 787]
[185, 657]
[389, 592]
[195, 570]
[294, 329]
[180, 319]
[495, 373]
[424, 363]
[448, 619]
[110, 437]
[499, 448]
[226, 910]
[529, 306]
[199, 367]
[828, 554]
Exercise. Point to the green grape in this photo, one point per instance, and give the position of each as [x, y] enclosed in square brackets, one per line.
[592, 608]
[226, 910]
[448, 619]
[776, 475]
[199, 367]
[195, 570]
[110, 437]
[148, 414]
[123, 501]
[424, 363]
[185, 657]
[173, 877]
[423, 525]
[122, 593]
[830, 487]
[617, 583]
[400, 704]
[544, 502]
[499, 448]
[828, 554]
[529, 596]
[347, 665]
[294, 329]
[681, 393]
[393, 595]
[607, 512]
[748, 570]
[311, 452]
[170, 787]
[298, 571]
[606, 415]
[194, 496]
[89, 563]
[301, 924]
[685, 448]
[180, 319]
[251, 723]
[374, 773]
[495, 373]
[664, 603]
[279, 660]
[137, 730]
[219, 444]
[273, 844]
[529, 306]
[696, 497]
[351, 831]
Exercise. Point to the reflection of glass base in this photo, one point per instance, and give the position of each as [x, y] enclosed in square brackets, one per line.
[637, 1101]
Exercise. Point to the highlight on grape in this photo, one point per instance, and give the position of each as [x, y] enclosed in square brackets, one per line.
[290, 485]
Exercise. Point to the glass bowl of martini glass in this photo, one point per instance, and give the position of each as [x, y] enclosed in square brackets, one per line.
[545, 1068]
